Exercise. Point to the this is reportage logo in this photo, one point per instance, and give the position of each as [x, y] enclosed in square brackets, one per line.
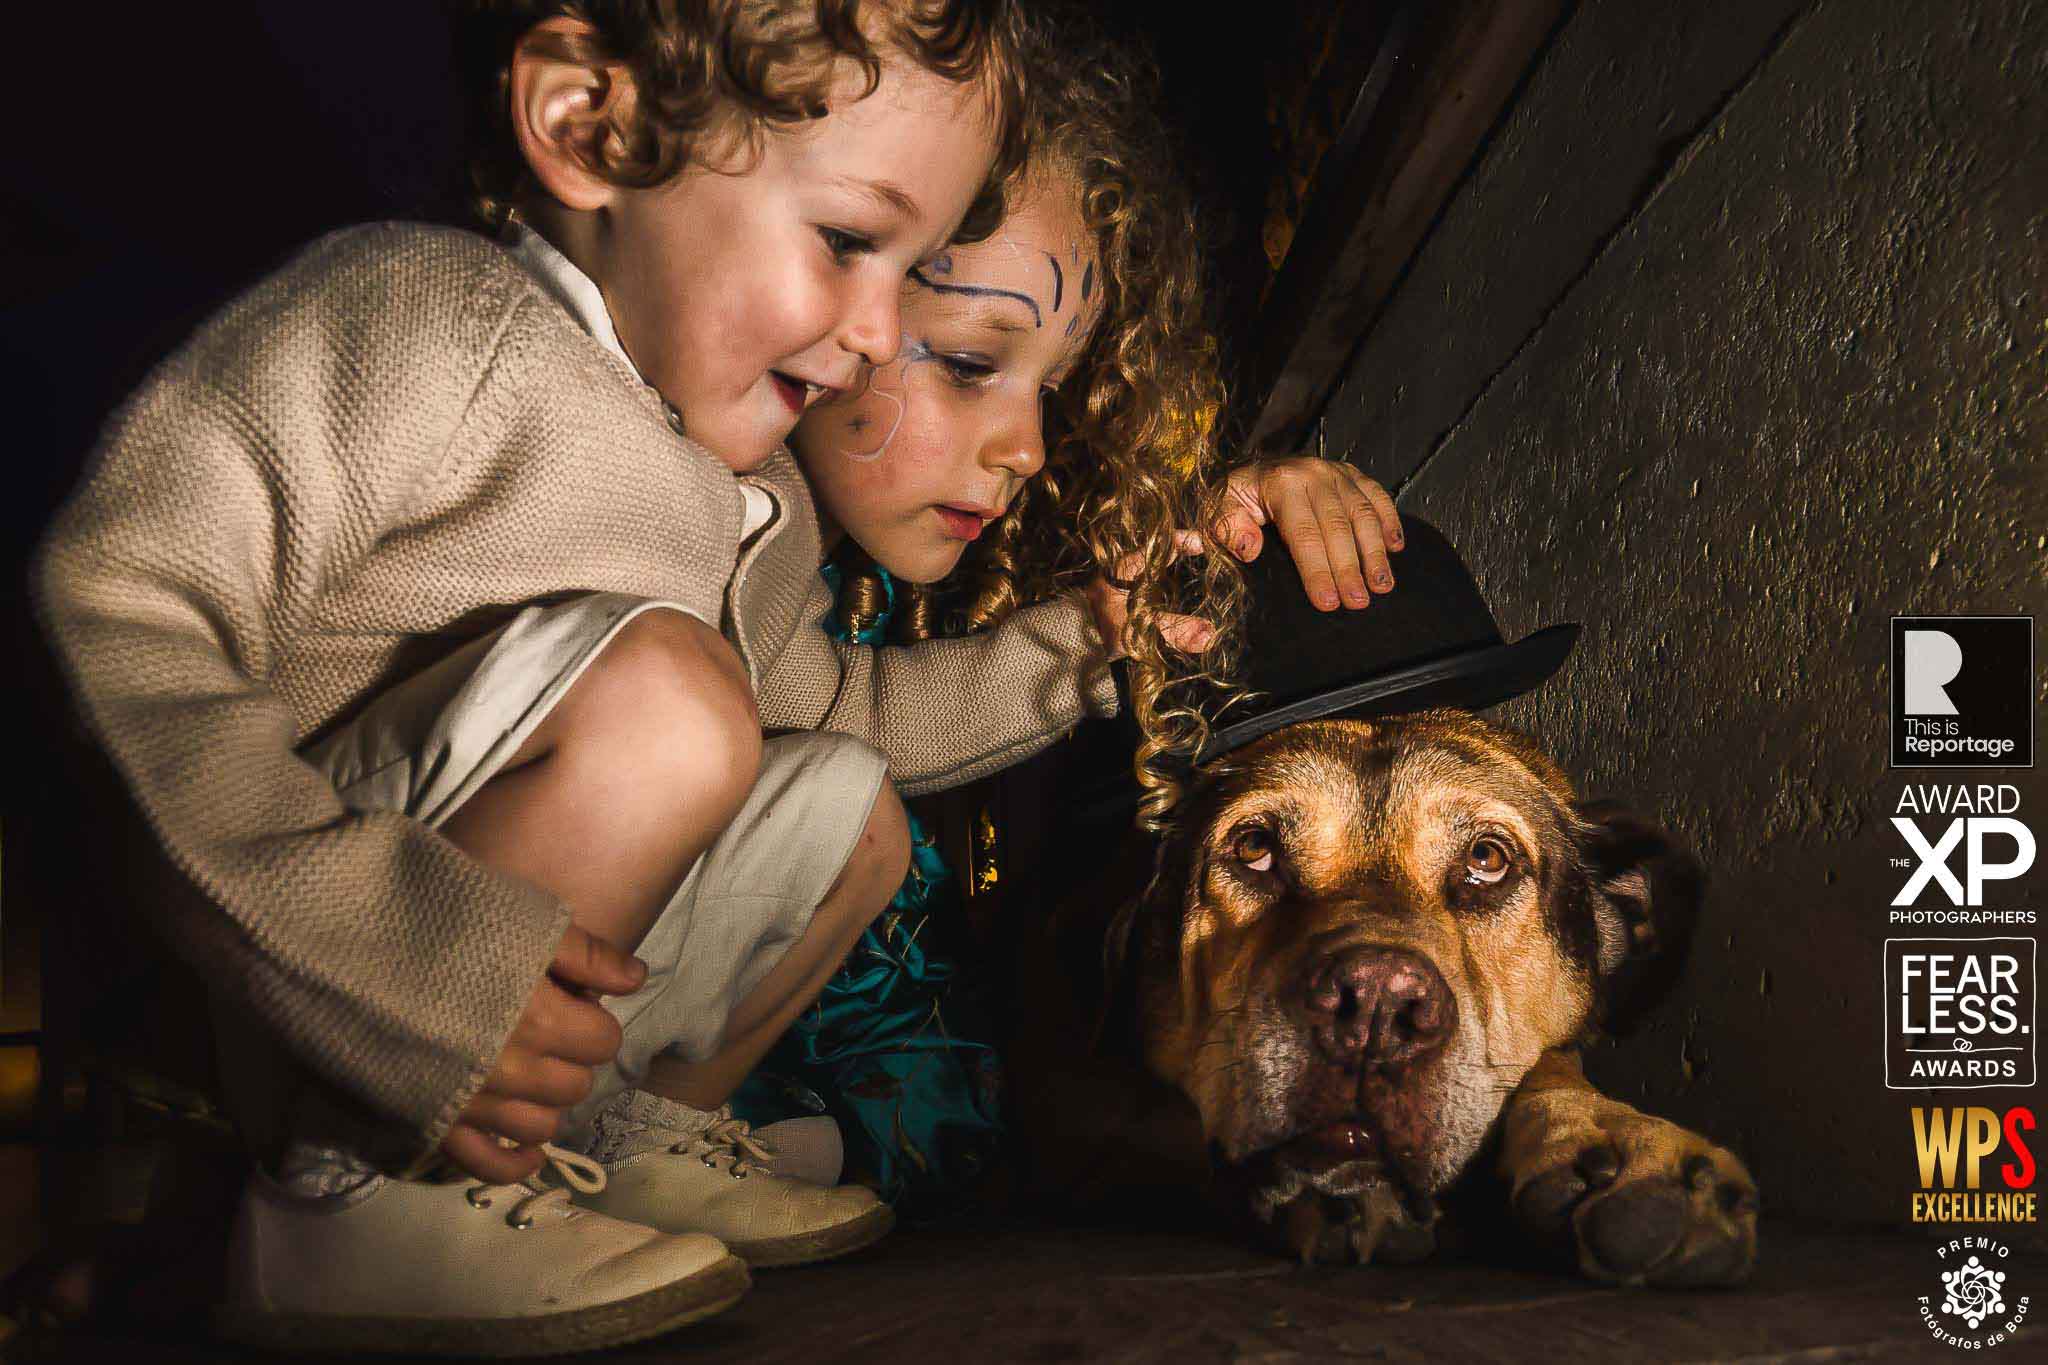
[1974, 1305]
[1959, 1013]
[1962, 691]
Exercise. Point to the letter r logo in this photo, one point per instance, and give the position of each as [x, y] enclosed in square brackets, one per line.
[1933, 658]
[1962, 692]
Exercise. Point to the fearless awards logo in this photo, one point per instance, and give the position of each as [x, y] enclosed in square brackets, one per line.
[1975, 1305]
[1962, 691]
[1959, 1013]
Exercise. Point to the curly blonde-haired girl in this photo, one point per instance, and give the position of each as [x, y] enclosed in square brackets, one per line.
[1050, 425]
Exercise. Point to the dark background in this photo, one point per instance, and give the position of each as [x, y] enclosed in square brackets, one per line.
[203, 144]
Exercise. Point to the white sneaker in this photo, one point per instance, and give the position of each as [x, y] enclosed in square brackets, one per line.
[459, 1267]
[699, 1171]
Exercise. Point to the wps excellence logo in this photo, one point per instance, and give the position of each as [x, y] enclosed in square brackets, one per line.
[1957, 1148]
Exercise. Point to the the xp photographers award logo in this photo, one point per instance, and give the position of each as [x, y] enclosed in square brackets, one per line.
[1965, 842]
[1974, 1305]
[1962, 691]
[1959, 1013]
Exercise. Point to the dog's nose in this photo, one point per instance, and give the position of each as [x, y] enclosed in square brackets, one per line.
[1380, 1005]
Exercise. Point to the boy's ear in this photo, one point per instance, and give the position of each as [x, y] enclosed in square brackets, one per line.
[566, 111]
[1646, 890]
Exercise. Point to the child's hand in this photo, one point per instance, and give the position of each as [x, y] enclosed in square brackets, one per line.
[562, 1036]
[1111, 607]
[1339, 524]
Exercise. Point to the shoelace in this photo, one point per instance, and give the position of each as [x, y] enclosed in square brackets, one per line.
[576, 1171]
[727, 1136]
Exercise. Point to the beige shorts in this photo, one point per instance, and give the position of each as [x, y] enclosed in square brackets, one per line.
[428, 744]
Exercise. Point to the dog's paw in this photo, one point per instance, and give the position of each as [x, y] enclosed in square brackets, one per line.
[1638, 1200]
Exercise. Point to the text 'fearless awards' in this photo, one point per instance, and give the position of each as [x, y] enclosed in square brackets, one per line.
[1959, 1013]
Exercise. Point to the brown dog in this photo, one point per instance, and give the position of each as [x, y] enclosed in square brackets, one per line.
[1367, 954]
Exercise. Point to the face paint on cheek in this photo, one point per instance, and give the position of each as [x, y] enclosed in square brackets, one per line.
[857, 425]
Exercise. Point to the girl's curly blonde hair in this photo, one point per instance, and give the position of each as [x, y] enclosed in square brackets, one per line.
[1131, 448]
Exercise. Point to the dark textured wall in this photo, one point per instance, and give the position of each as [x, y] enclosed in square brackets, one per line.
[1732, 347]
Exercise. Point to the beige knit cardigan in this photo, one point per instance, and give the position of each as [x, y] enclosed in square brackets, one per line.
[379, 452]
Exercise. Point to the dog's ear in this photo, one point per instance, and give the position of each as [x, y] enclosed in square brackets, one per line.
[1143, 925]
[1114, 1011]
[1646, 890]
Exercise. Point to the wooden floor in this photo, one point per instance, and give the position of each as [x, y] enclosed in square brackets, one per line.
[1047, 1295]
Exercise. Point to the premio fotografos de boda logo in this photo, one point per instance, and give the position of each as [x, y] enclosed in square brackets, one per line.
[1975, 1304]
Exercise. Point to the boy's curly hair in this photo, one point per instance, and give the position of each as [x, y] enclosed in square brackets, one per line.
[710, 69]
[1131, 441]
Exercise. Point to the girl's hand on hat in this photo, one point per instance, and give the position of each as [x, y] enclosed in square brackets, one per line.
[1339, 523]
[1110, 605]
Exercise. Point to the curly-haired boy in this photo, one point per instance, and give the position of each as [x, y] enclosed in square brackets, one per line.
[420, 599]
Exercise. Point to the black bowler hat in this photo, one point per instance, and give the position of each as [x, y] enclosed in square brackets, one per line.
[1429, 642]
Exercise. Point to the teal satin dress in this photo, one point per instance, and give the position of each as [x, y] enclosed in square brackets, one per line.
[895, 1047]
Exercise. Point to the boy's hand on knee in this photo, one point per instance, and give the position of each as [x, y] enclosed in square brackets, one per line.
[562, 1037]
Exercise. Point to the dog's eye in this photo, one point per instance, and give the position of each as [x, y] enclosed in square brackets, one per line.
[1253, 848]
[1487, 861]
